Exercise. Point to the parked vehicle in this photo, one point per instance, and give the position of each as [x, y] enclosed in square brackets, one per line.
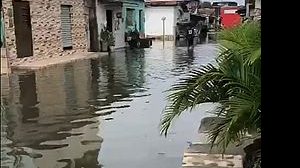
[229, 16]
[135, 41]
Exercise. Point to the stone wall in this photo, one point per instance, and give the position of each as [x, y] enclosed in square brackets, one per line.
[46, 29]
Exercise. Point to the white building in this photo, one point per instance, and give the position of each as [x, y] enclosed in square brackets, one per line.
[254, 9]
[154, 12]
[107, 16]
[115, 14]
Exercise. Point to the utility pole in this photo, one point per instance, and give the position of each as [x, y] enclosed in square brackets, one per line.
[163, 19]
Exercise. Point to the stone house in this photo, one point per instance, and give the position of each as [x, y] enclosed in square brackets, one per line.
[40, 29]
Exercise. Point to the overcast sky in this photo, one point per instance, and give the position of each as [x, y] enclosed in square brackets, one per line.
[240, 2]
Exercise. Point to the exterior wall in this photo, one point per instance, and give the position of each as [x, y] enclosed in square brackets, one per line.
[258, 4]
[101, 16]
[153, 23]
[46, 29]
[4, 62]
[257, 10]
[136, 5]
[119, 24]
[118, 28]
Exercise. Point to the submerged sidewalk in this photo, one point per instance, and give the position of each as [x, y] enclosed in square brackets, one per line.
[199, 154]
[57, 60]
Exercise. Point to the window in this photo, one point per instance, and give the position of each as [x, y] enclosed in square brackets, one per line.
[66, 27]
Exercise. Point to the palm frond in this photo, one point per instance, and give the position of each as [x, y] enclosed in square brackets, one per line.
[234, 83]
[200, 86]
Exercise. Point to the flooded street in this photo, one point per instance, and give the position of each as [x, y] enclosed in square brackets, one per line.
[103, 112]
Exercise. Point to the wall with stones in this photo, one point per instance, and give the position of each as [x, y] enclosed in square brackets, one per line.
[46, 29]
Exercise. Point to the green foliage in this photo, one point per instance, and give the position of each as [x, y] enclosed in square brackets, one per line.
[234, 83]
[107, 37]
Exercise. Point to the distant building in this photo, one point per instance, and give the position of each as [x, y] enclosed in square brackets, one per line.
[257, 10]
[120, 17]
[253, 9]
[174, 10]
[155, 11]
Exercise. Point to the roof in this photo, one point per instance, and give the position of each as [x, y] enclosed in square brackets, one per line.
[164, 2]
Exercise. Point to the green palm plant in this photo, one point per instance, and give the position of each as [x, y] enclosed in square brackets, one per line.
[234, 83]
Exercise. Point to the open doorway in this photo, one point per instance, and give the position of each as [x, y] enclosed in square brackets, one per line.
[109, 20]
[22, 20]
[140, 19]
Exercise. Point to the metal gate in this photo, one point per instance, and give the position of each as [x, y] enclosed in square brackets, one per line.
[66, 26]
[23, 28]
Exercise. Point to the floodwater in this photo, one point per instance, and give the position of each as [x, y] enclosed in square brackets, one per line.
[97, 113]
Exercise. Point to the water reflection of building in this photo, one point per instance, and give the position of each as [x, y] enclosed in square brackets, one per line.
[121, 74]
[6, 160]
[114, 76]
[51, 115]
[135, 65]
[182, 59]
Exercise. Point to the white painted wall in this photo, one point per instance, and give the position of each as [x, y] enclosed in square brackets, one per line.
[119, 31]
[258, 4]
[153, 22]
[101, 16]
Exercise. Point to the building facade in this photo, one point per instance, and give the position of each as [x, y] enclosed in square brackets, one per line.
[253, 9]
[40, 29]
[120, 17]
[155, 11]
[154, 15]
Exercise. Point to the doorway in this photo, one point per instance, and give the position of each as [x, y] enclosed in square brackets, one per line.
[109, 20]
[23, 32]
[140, 20]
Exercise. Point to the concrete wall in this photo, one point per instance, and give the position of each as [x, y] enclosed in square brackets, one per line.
[101, 16]
[137, 6]
[46, 29]
[4, 62]
[153, 22]
[258, 4]
[118, 25]
[119, 29]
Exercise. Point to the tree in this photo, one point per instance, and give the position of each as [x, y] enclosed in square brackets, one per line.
[234, 83]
